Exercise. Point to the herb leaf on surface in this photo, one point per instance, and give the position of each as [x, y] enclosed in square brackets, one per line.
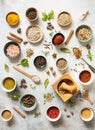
[89, 55]
[24, 62]
[6, 67]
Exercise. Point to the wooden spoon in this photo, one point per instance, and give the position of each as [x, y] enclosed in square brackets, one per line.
[85, 95]
[35, 78]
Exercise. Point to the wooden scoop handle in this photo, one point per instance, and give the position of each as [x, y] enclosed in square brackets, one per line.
[90, 100]
[23, 72]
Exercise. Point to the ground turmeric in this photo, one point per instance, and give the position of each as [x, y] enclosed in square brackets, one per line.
[12, 18]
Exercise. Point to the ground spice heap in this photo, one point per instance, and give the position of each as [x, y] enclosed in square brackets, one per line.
[12, 18]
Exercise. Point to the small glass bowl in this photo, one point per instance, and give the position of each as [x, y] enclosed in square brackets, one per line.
[84, 112]
[26, 106]
[53, 113]
[84, 74]
[8, 83]
[6, 115]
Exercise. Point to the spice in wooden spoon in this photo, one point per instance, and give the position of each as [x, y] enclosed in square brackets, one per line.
[85, 95]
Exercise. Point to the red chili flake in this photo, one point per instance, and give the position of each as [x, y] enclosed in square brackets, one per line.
[53, 112]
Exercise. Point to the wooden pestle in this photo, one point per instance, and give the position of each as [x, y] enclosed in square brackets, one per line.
[70, 88]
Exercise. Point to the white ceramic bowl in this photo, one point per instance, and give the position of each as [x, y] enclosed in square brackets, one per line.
[7, 82]
[25, 104]
[86, 77]
[86, 114]
[6, 115]
[82, 35]
[53, 113]
[61, 64]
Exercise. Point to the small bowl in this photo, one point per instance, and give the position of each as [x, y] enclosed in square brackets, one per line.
[6, 115]
[87, 114]
[31, 14]
[12, 50]
[58, 39]
[86, 77]
[64, 19]
[40, 62]
[84, 34]
[53, 113]
[34, 34]
[8, 84]
[62, 64]
[10, 18]
[28, 102]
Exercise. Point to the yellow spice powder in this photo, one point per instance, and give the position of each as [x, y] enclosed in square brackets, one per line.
[9, 83]
[12, 18]
[6, 114]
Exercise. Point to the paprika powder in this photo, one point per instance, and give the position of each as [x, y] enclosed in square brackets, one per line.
[58, 39]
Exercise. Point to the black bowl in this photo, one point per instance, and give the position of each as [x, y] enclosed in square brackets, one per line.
[40, 62]
[16, 45]
[58, 39]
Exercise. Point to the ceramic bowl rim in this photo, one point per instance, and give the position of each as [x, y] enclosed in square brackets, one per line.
[31, 20]
[40, 67]
[89, 119]
[34, 25]
[86, 26]
[2, 86]
[66, 12]
[55, 119]
[58, 33]
[9, 43]
[90, 81]
[63, 69]
[4, 118]
[26, 108]
[14, 13]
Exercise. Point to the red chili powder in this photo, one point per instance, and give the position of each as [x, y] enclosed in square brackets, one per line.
[58, 39]
[53, 112]
[85, 76]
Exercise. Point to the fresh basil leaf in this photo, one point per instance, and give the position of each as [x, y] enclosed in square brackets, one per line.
[24, 62]
[46, 82]
[6, 67]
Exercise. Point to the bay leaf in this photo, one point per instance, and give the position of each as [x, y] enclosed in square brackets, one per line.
[6, 67]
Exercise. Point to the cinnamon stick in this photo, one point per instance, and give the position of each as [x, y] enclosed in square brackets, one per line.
[13, 39]
[19, 112]
[15, 36]
[69, 36]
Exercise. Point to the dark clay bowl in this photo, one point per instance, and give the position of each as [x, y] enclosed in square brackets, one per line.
[58, 39]
[6, 51]
[40, 62]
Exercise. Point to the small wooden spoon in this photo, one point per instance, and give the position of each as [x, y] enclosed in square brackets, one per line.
[85, 95]
[35, 78]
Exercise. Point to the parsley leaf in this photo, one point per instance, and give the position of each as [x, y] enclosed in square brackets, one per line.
[24, 62]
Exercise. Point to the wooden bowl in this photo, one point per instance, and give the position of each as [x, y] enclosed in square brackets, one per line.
[10, 18]
[64, 19]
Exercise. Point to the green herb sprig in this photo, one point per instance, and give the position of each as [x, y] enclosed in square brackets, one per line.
[15, 96]
[89, 55]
